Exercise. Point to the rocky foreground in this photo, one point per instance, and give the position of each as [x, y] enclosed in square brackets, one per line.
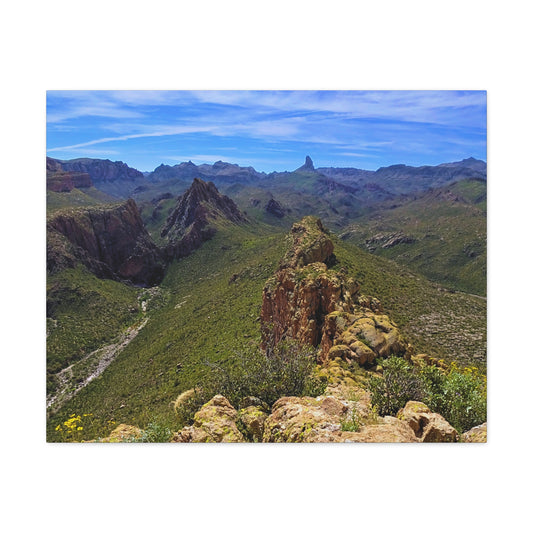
[342, 414]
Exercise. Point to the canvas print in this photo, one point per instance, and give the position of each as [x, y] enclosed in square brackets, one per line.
[266, 267]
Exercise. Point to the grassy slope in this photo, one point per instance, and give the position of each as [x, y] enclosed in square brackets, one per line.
[201, 316]
[77, 198]
[448, 325]
[83, 312]
[450, 245]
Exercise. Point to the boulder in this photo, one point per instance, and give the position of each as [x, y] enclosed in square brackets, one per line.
[476, 434]
[252, 420]
[216, 421]
[427, 426]
[388, 429]
[305, 419]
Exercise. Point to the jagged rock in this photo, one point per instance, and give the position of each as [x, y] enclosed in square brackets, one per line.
[309, 244]
[307, 166]
[315, 305]
[188, 225]
[274, 208]
[111, 241]
[476, 434]
[216, 421]
[428, 426]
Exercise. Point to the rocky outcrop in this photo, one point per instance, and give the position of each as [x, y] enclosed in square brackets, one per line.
[274, 208]
[388, 240]
[307, 166]
[307, 301]
[216, 421]
[111, 241]
[101, 170]
[58, 180]
[190, 223]
[327, 418]
[428, 426]
[476, 434]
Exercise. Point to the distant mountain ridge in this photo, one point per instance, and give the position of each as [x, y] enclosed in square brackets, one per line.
[401, 179]
[221, 171]
[116, 177]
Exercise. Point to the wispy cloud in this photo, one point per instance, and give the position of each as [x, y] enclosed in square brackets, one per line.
[353, 124]
[161, 133]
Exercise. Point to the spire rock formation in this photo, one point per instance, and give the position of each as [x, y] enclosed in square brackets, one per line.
[307, 166]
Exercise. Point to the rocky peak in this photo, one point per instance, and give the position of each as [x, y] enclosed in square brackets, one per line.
[190, 223]
[274, 208]
[309, 243]
[308, 301]
[308, 165]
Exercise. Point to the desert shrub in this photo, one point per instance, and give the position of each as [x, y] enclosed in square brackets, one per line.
[458, 394]
[398, 385]
[286, 370]
[155, 431]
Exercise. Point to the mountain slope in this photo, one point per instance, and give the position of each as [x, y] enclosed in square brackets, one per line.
[441, 233]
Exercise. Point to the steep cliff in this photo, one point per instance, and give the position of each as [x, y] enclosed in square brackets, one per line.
[111, 241]
[59, 180]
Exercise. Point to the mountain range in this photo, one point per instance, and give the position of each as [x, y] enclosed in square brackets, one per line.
[159, 281]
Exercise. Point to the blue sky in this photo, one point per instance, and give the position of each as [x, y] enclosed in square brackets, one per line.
[269, 130]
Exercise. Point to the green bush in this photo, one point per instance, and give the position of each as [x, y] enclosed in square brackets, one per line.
[398, 385]
[287, 370]
[458, 394]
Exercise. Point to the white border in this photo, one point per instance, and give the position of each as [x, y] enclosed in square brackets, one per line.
[275, 45]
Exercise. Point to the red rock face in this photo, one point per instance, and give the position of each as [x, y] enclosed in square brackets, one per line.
[101, 170]
[296, 307]
[58, 180]
[314, 305]
[111, 241]
[303, 291]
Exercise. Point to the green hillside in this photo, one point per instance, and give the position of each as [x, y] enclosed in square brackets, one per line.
[441, 234]
[207, 308]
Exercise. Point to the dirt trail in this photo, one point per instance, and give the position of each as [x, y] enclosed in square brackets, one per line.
[78, 375]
